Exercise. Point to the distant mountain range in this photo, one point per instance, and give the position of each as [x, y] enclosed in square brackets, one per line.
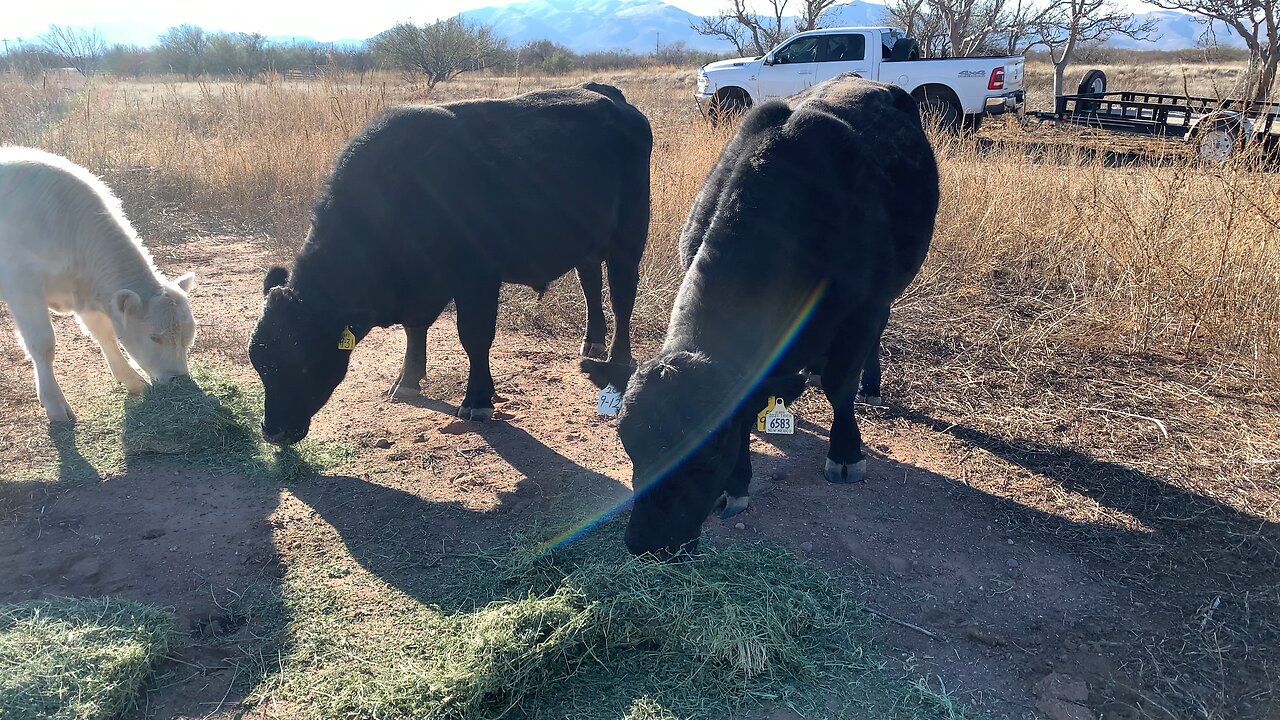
[640, 25]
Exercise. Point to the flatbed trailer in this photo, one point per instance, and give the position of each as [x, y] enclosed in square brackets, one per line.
[1216, 128]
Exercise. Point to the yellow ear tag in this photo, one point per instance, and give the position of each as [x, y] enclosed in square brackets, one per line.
[760, 419]
[348, 340]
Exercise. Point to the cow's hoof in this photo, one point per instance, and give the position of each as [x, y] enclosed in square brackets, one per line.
[135, 385]
[404, 390]
[846, 474]
[872, 400]
[594, 351]
[476, 414]
[61, 414]
[730, 505]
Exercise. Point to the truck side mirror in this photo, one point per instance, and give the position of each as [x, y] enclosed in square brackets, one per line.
[768, 60]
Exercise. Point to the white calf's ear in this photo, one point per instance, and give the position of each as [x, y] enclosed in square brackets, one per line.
[126, 303]
[187, 282]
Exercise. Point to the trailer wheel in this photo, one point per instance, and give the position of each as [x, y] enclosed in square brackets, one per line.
[1217, 138]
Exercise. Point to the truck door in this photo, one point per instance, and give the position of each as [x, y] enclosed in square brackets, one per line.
[845, 53]
[790, 68]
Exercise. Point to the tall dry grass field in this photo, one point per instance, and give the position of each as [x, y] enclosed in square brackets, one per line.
[1174, 259]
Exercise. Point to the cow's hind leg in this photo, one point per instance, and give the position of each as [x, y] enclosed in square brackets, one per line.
[848, 355]
[477, 320]
[624, 276]
[31, 316]
[869, 391]
[592, 289]
[100, 329]
[408, 385]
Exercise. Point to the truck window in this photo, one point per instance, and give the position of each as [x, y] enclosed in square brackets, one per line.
[842, 48]
[803, 50]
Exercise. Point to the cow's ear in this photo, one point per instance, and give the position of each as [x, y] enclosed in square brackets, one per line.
[603, 374]
[276, 277]
[126, 303]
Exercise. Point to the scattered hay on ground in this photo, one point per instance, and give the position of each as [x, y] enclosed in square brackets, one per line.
[584, 635]
[76, 659]
[209, 420]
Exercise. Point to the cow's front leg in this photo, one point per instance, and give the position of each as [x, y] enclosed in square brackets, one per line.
[477, 319]
[408, 385]
[737, 495]
[848, 356]
[101, 330]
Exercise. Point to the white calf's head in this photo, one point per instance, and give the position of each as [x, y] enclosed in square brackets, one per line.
[157, 331]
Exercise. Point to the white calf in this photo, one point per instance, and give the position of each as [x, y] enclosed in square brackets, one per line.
[66, 246]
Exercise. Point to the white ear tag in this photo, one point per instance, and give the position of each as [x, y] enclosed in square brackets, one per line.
[609, 401]
[779, 420]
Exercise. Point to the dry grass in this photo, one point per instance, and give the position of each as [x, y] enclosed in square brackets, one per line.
[1108, 335]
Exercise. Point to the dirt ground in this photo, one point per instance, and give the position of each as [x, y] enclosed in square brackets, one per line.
[987, 591]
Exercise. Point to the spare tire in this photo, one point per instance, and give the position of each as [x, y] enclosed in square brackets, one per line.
[1094, 83]
[904, 49]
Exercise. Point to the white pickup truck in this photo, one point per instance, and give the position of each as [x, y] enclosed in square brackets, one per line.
[952, 92]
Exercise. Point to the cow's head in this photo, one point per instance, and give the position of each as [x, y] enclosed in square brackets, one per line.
[157, 331]
[681, 424]
[301, 353]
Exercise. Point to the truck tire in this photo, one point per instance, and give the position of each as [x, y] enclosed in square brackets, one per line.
[1094, 82]
[1217, 138]
[727, 106]
[940, 108]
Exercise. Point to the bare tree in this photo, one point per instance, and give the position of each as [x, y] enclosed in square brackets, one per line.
[79, 48]
[752, 33]
[1257, 22]
[441, 50]
[183, 49]
[1063, 25]
[949, 27]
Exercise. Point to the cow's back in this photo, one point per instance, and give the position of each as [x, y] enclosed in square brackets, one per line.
[50, 210]
[525, 187]
[831, 197]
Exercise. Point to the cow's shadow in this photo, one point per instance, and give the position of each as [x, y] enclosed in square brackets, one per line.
[419, 546]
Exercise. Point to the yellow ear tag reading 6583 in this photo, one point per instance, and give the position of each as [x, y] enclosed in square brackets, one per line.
[776, 419]
[347, 341]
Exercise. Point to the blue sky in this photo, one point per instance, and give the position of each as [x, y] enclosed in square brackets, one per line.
[337, 21]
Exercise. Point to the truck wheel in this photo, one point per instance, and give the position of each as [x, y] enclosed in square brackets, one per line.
[726, 107]
[1094, 82]
[1216, 139]
[940, 113]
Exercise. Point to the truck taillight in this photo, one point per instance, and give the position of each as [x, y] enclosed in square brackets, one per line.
[997, 79]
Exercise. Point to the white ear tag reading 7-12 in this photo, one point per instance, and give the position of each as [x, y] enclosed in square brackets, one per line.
[609, 401]
[776, 419]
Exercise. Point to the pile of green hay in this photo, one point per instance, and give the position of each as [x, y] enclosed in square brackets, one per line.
[592, 636]
[208, 419]
[76, 659]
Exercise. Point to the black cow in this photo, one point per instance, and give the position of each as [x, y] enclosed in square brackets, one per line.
[433, 203]
[814, 220]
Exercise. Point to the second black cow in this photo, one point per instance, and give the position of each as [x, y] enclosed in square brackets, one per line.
[433, 203]
[814, 220]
